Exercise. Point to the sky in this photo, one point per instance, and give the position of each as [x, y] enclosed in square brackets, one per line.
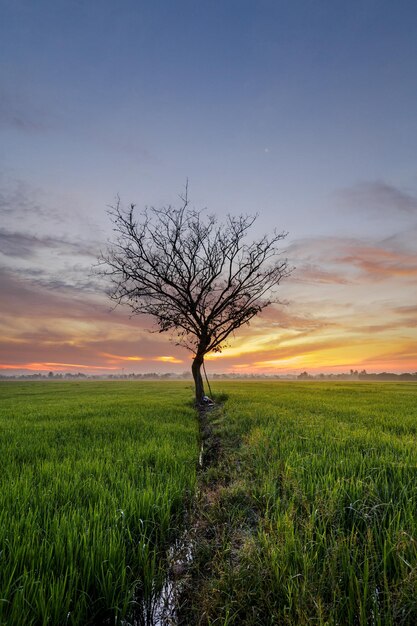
[302, 112]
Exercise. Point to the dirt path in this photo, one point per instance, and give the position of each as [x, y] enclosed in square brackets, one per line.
[220, 523]
[221, 519]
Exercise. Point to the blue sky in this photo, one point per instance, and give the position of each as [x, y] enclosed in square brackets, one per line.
[302, 111]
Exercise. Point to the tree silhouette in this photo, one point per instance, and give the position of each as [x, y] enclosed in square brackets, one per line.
[199, 278]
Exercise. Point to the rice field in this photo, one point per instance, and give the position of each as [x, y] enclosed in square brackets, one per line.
[314, 498]
[94, 481]
[306, 513]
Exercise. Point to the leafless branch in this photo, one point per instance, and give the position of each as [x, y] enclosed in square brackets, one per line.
[199, 278]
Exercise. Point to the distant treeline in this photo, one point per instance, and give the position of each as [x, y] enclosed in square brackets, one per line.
[355, 375]
[352, 375]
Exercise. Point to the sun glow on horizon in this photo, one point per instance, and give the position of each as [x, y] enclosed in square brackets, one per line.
[167, 359]
[54, 366]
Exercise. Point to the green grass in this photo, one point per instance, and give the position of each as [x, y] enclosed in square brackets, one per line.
[93, 485]
[310, 515]
[307, 513]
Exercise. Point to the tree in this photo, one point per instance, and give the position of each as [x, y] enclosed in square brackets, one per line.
[198, 278]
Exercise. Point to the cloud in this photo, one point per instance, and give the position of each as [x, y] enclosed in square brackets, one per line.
[335, 259]
[351, 349]
[406, 353]
[40, 210]
[377, 263]
[38, 301]
[407, 315]
[303, 349]
[378, 197]
[71, 327]
[168, 359]
[20, 199]
[283, 316]
[55, 366]
[311, 273]
[118, 358]
[52, 262]
[24, 245]
[402, 241]
[34, 243]
[313, 249]
[406, 310]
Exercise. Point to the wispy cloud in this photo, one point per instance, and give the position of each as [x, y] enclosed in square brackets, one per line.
[33, 210]
[117, 358]
[378, 197]
[407, 310]
[333, 259]
[311, 273]
[377, 263]
[25, 245]
[19, 199]
[282, 316]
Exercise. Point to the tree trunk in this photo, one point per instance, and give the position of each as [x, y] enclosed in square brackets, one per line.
[198, 380]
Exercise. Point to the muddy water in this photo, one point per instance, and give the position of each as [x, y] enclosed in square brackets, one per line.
[180, 557]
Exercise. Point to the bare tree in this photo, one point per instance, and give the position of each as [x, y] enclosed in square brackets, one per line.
[197, 277]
